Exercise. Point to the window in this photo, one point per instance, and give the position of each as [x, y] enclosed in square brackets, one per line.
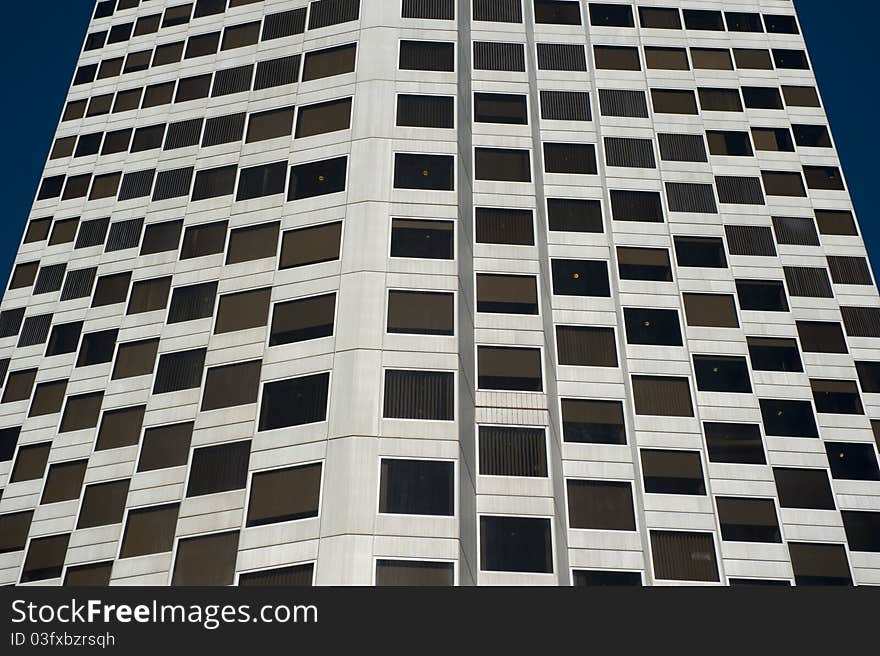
[572, 215]
[284, 495]
[819, 564]
[637, 153]
[497, 164]
[636, 206]
[421, 313]
[223, 129]
[786, 418]
[50, 188]
[183, 134]
[165, 446]
[803, 488]
[206, 560]
[712, 59]
[500, 108]
[421, 111]
[64, 231]
[103, 504]
[192, 302]
[49, 279]
[179, 371]
[801, 96]
[270, 124]
[618, 58]
[762, 97]
[672, 472]
[701, 19]
[243, 310]
[214, 183]
[861, 321]
[88, 144]
[808, 281]
[278, 72]
[320, 64]
[600, 505]
[417, 487]
[205, 239]
[137, 184]
[37, 230]
[782, 183]
[81, 412]
[501, 225]
[662, 395]
[743, 22]
[294, 402]
[64, 481]
[499, 11]
[14, 528]
[149, 295]
[509, 368]
[8, 442]
[64, 339]
[30, 463]
[762, 295]
[177, 15]
[414, 573]
[852, 462]
[239, 36]
[507, 294]
[172, 184]
[796, 231]
[586, 346]
[48, 398]
[19, 385]
[428, 172]
[660, 19]
[580, 277]
[320, 118]
[593, 422]
[45, 558]
[652, 326]
[821, 337]
[671, 59]
[750, 240]
[823, 177]
[595, 578]
[219, 468]
[623, 103]
[427, 56]
[126, 101]
[551, 57]
[232, 385]
[691, 197]
[158, 94]
[836, 222]
[311, 245]
[719, 100]
[74, 110]
[862, 530]
[317, 178]
[202, 44]
[209, 8]
[681, 556]
[849, 270]
[559, 12]
[515, 544]
[729, 143]
[419, 395]
[644, 264]
[285, 23]
[774, 354]
[812, 136]
[324, 13]
[10, 322]
[423, 239]
[790, 59]
[718, 373]
[92, 575]
[263, 180]
[253, 243]
[707, 252]
[168, 53]
[121, 427]
[511, 451]
[498, 56]
[869, 376]
[752, 58]
[111, 289]
[739, 190]
[566, 106]
[35, 330]
[238, 79]
[297, 575]
[734, 443]
[63, 147]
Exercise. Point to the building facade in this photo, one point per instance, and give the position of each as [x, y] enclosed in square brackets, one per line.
[449, 292]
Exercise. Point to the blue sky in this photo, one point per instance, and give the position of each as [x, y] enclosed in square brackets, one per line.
[39, 71]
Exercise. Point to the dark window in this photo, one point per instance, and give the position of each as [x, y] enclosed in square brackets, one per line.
[712, 59]
[515, 544]
[847, 270]
[681, 556]
[214, 183]
[716, 373]
[510, 451]
[618, 58]
[734, 443]
[670, 59]
[64, 339]
[812, 136]
[50, 188]
[869, 376]
[30, 463]
[862, 530]
[238, 79]
[852, 461]
[819, 564]
[662, 395]
[49, 279]
[566, 106]
[262, 180]
[165, 446]
[593, 422]
[158, 94]
[295, 576]
[682, 147]
[14, 529]
[168, 53]
[425, 172]
[243, 310]
[421, 111]
[320, 64]
[332, 12]
[48, 398]
[149, 530]
[45, 558]
[64, 231]
[763, 295]
[425, 239]
[600, 505]
[782, 183]
[773, 354]
[97, 348]
[499, 164]
[419, 395]
[284, 495]
[416, 487]
[795, 230]
[506, 294]
[207, 560]
[498, 56]
[636, 206]
[8, 442]
[555, 57]
[311, 245]
[88, 144]
[137, 184]
[294, 402]
[821, 337]
[421, 313]
[702, 19]
[232, 385]
[219, 468]
[177, 15]
[499, 225]
[861, 321]
[586, 346]
[762, 97]
[19, 385]
[37, 230]
[644, 264]
[63, 147]
[580, 278]
[623, 103]
[509, 368]
[81, 412]
[127, 101]
[793, 59]
[729, 143]
[223, 129]
[149, 295]
[823, 177]
[239, 36]
[64, 481]
[691, 197]
[808, 281]
[120, 428]
[743, 22]
[559, 12]
[414, 573]
[595, 578]
[35, 330]
[317, 178]
[786, 418]
[500, 108]
[74, 110]
[661, 19]
[580, 158]
[652, 326]
[750, 240]
[202, 44]
[92, 575]
[719, 100]
[803, 488]
[179, 371]
[285, 23]
[111, 289]
[182, 134]
[209, 8]
[192, 302]
[103, 504]
[171, 184]
[322, 118]
[427, 56]
[571, 215]
[672, 472]
[705, 252]
[499, 11]
[117, 141]
[739, 190]
[253, 243]
[270, 124]
[277, 72]
[135, 359]
[752, 58]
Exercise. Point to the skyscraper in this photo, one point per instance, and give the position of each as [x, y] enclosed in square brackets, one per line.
[441, 292]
